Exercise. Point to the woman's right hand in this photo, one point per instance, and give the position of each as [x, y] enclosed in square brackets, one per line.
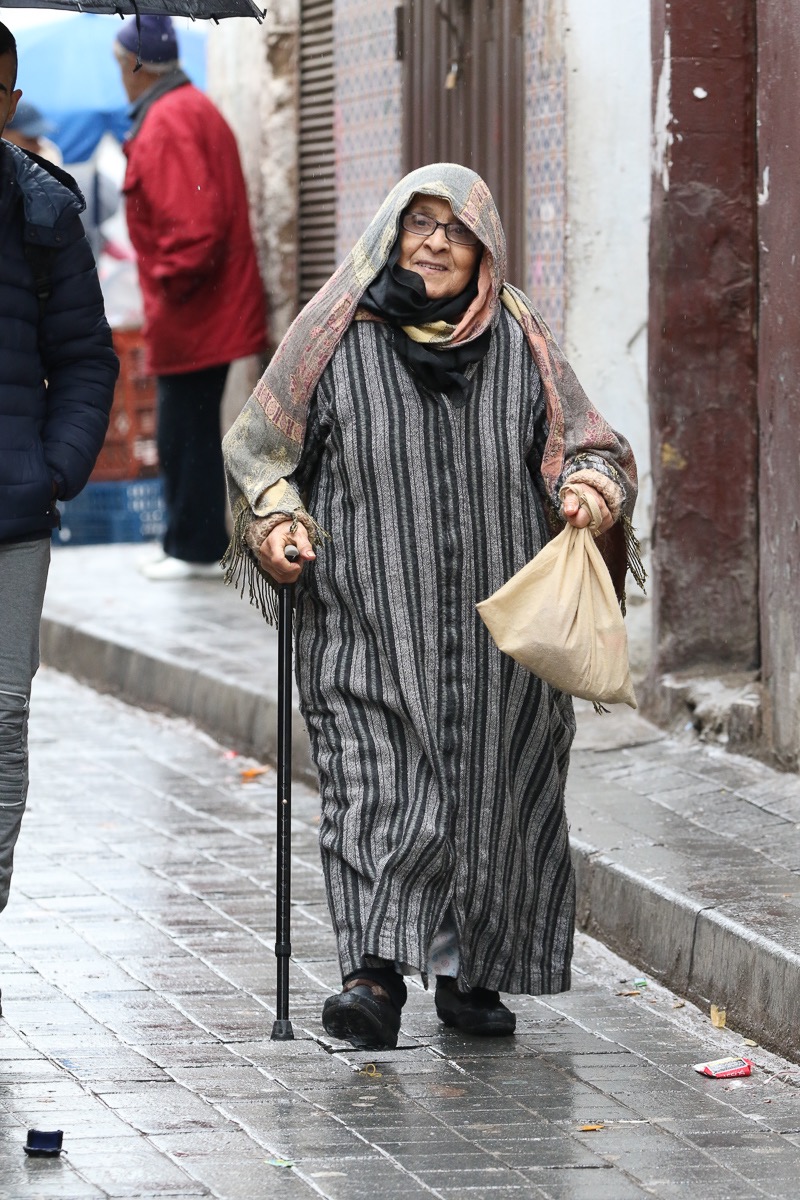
[272, 556]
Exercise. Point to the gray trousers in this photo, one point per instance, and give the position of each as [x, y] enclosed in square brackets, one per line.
[23, 575]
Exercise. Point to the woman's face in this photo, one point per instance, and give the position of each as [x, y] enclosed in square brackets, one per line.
[445, 267]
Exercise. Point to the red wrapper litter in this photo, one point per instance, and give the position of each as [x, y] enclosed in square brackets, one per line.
[725, 1068]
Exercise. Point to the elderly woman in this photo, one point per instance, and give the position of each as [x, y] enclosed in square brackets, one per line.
[419, 413]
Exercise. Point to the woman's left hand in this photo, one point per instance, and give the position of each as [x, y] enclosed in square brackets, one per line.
[578, 516]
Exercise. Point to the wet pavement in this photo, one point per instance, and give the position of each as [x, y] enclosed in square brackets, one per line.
[138, 983]
[688, 858]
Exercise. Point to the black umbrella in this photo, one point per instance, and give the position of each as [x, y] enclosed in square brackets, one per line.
[212, 10]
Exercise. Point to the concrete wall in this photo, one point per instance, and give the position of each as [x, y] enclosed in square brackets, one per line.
[587, 152]
[252, 77]
[608, 77]
[608, 133]
[779, 368]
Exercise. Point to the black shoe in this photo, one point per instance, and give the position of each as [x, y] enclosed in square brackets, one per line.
[478, 1011]
[362, 1014]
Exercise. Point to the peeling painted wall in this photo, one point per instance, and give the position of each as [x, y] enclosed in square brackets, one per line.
[779, 367]
[702, 361]
[663, 136]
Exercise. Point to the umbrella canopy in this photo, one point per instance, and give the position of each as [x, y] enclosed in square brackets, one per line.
[213, 10]
[68, 70]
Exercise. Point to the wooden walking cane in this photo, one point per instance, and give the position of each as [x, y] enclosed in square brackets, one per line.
[282, 1028]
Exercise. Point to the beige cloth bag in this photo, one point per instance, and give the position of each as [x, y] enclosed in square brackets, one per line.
[560, 618]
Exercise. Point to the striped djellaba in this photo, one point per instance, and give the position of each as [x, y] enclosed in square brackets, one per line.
[442, 763]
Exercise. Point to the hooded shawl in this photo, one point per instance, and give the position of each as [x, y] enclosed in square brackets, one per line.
[263, 447]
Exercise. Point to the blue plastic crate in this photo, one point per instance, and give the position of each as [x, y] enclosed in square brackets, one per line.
[122, 511]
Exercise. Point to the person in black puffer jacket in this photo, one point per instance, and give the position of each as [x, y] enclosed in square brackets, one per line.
[57, 376]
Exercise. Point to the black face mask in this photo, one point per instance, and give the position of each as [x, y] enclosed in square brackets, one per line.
[399, 296]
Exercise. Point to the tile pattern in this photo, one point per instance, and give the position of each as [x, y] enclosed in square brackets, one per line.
[367, 113]
[545, 160]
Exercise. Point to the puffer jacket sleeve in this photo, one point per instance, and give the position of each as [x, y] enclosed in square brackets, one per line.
[80, 365]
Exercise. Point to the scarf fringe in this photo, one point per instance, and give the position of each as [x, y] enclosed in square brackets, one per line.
[633, 551]
[243, 572]
[316, 534]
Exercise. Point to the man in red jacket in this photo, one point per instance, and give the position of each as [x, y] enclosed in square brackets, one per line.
[187, 215]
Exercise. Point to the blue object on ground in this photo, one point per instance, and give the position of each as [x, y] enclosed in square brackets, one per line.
[119, 511]
[68, 70]
[45, 1142]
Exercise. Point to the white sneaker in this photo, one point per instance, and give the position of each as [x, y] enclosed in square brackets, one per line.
[153, 553]
[177, 568]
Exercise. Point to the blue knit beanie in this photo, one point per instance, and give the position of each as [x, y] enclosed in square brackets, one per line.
[158, 41]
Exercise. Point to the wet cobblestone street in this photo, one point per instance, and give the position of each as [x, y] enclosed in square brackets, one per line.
[137, 974]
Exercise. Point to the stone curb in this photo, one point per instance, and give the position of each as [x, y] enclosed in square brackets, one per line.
[697, 952]
[237, 715]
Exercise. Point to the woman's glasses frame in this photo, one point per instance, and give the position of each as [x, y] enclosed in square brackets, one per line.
[461, 237]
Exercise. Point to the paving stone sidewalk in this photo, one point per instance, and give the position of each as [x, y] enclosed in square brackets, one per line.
[138, 984]
[688, 858]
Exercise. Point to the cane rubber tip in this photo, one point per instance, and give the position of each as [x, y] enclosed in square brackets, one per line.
[282, 1032]
[292, 553]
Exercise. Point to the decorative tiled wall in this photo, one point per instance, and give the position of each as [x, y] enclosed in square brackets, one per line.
[368, 121]
[369, 124]
[545, 160]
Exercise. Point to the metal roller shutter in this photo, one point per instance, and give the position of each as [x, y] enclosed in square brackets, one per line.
[317, 184]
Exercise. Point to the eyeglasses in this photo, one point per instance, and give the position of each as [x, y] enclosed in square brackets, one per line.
[423, 226]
